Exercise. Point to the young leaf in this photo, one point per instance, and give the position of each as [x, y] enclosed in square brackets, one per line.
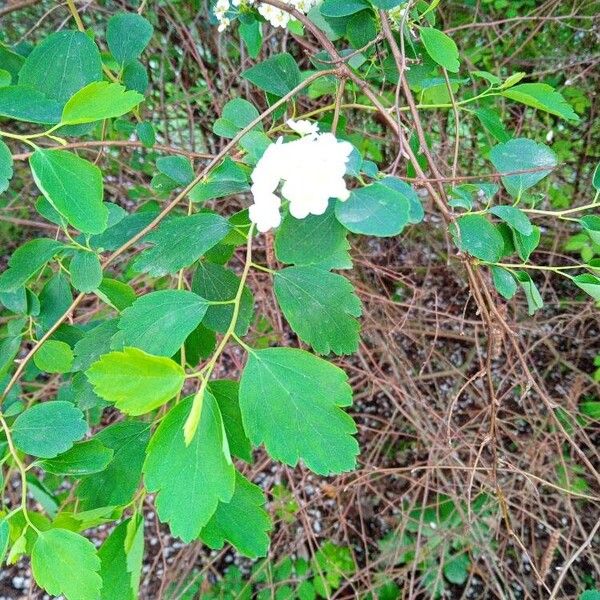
[64, 562]
[227, 179]
[218, 284]
[441, 48]
[479, 238]
[277, 75]
[543, 97]
[6, 166]
[84, 458]
[317, 240]
[504, 282]
[375, 209]
[73, 186]
[61, 64]
[522, 155]
[160, 322]
[86, 271]
[243, 522]
[514, 217]
[290, 401]
[49, 428]
[226, 394]
[99, 100]
[534, 299]
[54, 356]
[180, 241]
[116, 484]
[26, 261]
[320, 306]
[589, 283]
[134, 381]
[190, 480]
[127, 35]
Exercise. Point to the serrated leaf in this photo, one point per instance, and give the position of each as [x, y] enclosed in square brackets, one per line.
[84, 458]
[504, 282]
[86, 271]
[134, 381]
[522, 154]
[64, 562]
[291, 401]
[180, 241]
[479, 238]
[160, 322]
[49, 428]
[73, 186]
[26, 261]
[226, 394]
[116, 484]
[54, 356]
[6, 166]
[218, 284]
[543, 97]
[514, 217]
[320, 307]
[243, 522]
[74, 60]
[227, 179]
[441, 48]
[99, 100]
[190, 480]
[317, 240]
[277, 75]
[127, 35]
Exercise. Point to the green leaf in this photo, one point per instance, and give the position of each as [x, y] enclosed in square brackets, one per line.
[456, 568]
[590, 595]
[180, 241]
[116, 293]
[237, 115]
[127, 35]
[504, 282]
[251, 33]
[177, 168]
[26, 261]
[64, 562]
[534, 299]
[25, 103]
[190, 480]
[84, 458]
[342, 8]
[589, 283]
[86, 271]
[134, 381]
[115, 485]
[160, 322]
[277, 75]
[491, 121]
[118, 580]
[514, 217]
[49, 428]
[61, 64]
[226, 394]
[479, 238]
[591, 224]
[526, 244]
[243, 522]
[73, 186]
[4, 539]
[290, 401]
[135, 77]
[521, 155]
[543, 97]
[441, 48]
[146, 134]
[55, 299]
[320, 307]
[6, 166]
[215, 283]
[227, 179]
[375, 209]
[596, 178]
[99, 100]
[317, 240]
[54, 356]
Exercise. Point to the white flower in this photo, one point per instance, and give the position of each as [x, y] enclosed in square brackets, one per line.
[312, 169]
[550, 136]
[224, 24]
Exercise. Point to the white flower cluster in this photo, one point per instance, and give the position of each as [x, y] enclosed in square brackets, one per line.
[275, 16]
[312, 169]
